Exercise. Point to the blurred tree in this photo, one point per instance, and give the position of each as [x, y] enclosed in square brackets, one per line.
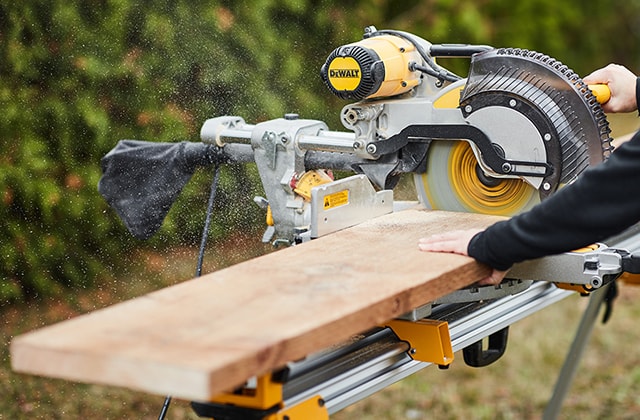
[76, 76]
[583, 35]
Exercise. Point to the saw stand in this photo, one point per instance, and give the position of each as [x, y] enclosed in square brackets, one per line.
[603, 296]
[572, 360]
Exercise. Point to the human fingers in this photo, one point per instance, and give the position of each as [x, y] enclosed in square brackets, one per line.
[452, 245]
[599, 76]
[440, 237]
[621, 82]
[607, 74]
[450, 235]
[453, 241]
[493, 279]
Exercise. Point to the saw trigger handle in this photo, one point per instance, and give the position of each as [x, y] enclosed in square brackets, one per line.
[601, 92]
[477, 356]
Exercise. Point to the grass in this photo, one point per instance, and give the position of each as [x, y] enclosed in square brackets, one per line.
[24, 396]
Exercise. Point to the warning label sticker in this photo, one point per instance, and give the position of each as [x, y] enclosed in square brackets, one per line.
[336, 199]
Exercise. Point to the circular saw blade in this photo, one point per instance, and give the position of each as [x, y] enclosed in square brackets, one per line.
[453, 181]
[533, 109]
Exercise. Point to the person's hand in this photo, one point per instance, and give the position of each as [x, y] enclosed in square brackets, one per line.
[457, 242]
[622, 84]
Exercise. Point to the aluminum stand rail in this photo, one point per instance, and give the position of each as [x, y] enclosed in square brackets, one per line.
[468, 324]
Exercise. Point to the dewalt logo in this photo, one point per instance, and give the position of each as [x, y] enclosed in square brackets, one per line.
[344, 73]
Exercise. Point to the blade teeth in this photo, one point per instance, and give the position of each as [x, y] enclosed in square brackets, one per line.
[578, 139]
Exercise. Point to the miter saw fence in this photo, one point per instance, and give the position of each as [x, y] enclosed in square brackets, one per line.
[515, 130]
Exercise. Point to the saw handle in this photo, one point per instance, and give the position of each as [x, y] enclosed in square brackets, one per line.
[601, 92]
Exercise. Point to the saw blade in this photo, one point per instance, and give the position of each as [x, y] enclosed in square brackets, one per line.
[454, 181]
[533, 109]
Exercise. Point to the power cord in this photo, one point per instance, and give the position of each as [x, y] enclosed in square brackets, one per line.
[203, 243]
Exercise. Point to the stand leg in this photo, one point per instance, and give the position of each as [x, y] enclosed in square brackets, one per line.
[572, 360]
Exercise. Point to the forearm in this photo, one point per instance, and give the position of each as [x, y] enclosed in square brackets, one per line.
[602, 202]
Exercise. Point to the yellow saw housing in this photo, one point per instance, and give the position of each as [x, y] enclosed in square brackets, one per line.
[514, 142]
[374, 67]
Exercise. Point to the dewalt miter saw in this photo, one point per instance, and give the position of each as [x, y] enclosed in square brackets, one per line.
[519, 127]
[515, 130]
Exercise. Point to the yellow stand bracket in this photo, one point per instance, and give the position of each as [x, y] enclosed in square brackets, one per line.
[311, 409]
[583, 289]
[267, 394]
[429, 339]
[632, 279]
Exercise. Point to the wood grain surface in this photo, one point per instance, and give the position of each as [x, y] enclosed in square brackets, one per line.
[210, 334]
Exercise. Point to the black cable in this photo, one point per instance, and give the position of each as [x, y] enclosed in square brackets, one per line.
[437, 71]
[207, 221]
[203, 243]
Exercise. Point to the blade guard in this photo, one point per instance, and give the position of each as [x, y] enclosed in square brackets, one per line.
[552, 97]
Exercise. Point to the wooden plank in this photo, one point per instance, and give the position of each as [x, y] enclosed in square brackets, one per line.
[208, 335]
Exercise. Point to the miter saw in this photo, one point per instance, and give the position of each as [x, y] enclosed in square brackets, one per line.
[520, 126]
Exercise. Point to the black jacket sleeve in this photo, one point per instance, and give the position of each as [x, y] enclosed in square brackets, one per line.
[602, 202]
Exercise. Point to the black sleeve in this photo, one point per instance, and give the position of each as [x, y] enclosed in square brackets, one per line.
[638, 94]
[604, 201]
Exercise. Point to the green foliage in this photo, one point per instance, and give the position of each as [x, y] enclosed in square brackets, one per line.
[76, 76]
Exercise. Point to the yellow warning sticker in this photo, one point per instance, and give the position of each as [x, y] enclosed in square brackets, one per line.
[336, 199]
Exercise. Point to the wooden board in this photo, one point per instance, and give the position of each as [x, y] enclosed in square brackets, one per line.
[210, 334]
